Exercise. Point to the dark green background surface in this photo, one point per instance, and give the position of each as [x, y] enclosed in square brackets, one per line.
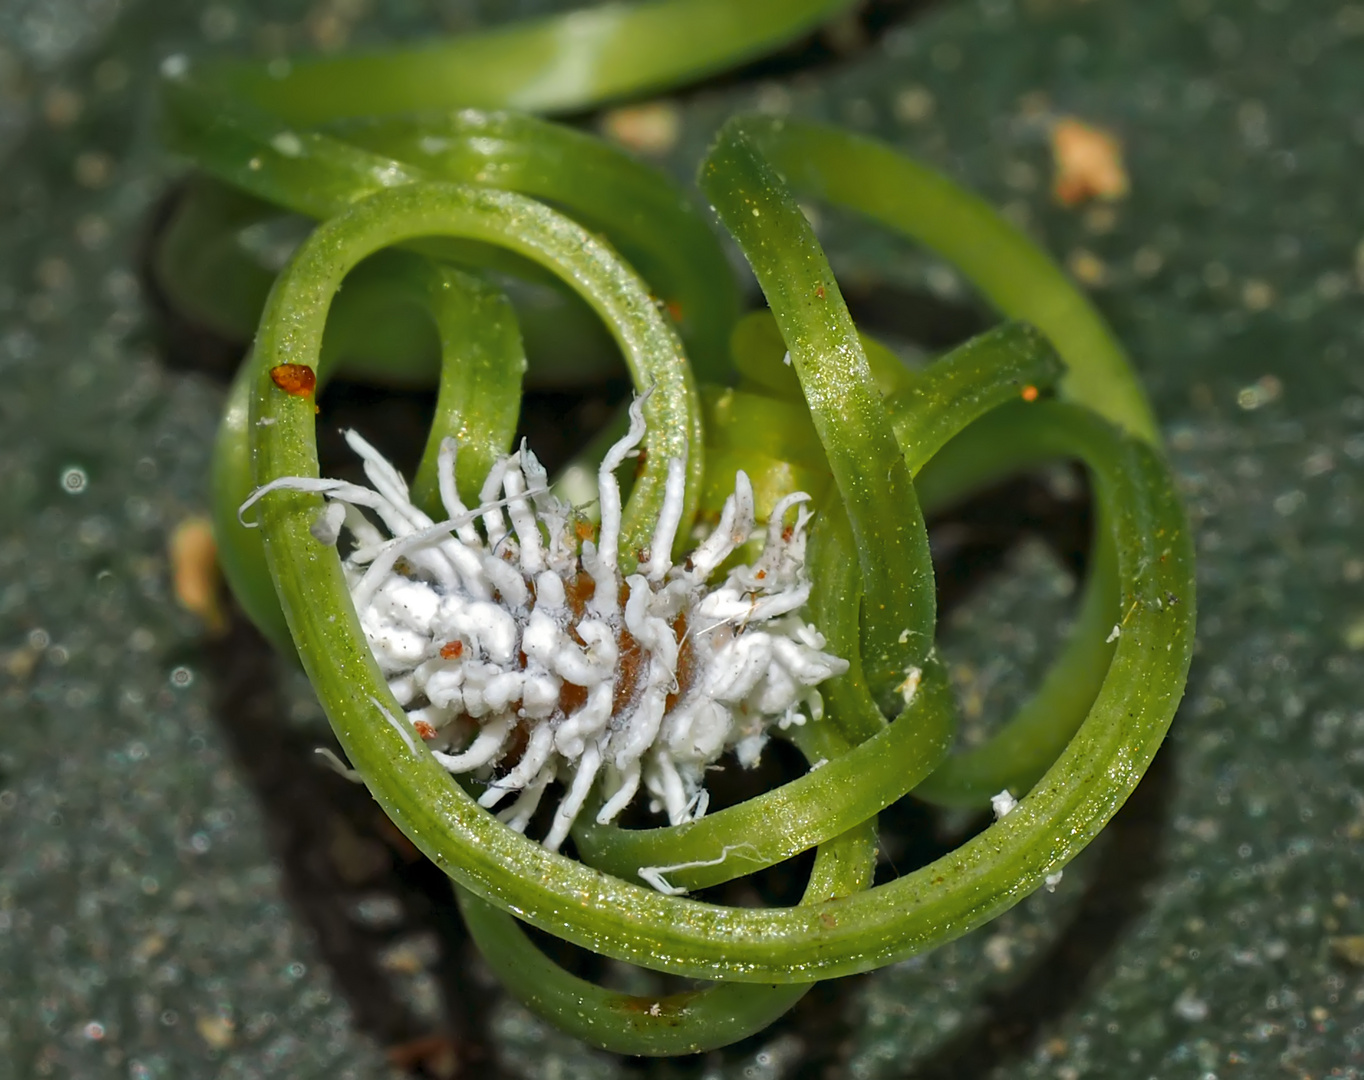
[143, 930]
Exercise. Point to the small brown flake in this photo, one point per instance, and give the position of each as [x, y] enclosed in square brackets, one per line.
[1088, 268]
[217, 1031]
[650, 128]
[1088, 163]
[297, 380]
[194, 572]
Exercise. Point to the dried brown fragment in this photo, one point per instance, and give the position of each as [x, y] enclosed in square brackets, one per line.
[424, 729]
[572, 697]
[296, 380]
[652, 127]
[194, 572]
[1088, 162]
[686, 661]
[218, 1032]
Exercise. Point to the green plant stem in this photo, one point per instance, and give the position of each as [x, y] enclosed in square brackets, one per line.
[1011, 272]
[845, 406]
[853, 785]
[856, 933]
[480, 385]
[214, 274]
[992, 369]
[319, 174]
[652, 223]
[478, 401]
[560, 63]
[1018, 754]
[686, 1023]
[816, 407]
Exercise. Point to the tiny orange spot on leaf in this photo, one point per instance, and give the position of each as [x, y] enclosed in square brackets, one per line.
[1029, 393]
[297, 380]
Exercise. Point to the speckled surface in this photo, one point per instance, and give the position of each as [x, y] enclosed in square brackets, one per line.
[143, 929]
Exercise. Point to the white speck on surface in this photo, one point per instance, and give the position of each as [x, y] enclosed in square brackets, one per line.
[1002, 804]
[175, 66]
[1188, 1006]
[288, 144]
[1113, 634]
[74, 480]
[998, 950]
[910, 687]
[326, 529]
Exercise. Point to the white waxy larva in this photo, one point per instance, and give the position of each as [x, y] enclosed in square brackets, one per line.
[521, 655]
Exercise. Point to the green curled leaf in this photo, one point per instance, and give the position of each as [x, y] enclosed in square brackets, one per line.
[689, 1022]
[841, 936]
[852, 786]
[319, 174]
[559, 63]
[845, 405]
[478, 402]
[1016, 276]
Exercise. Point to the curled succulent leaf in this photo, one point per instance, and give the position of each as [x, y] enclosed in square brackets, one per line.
[468, 642]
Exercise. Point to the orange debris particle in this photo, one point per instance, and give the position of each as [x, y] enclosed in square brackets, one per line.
[650, 128]
[194, 571]
[298, 380]
[425, 730]
[1088, 163]
[452, 650]
[1029, 393]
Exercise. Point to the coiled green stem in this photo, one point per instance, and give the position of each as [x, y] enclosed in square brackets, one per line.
[428, 218]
